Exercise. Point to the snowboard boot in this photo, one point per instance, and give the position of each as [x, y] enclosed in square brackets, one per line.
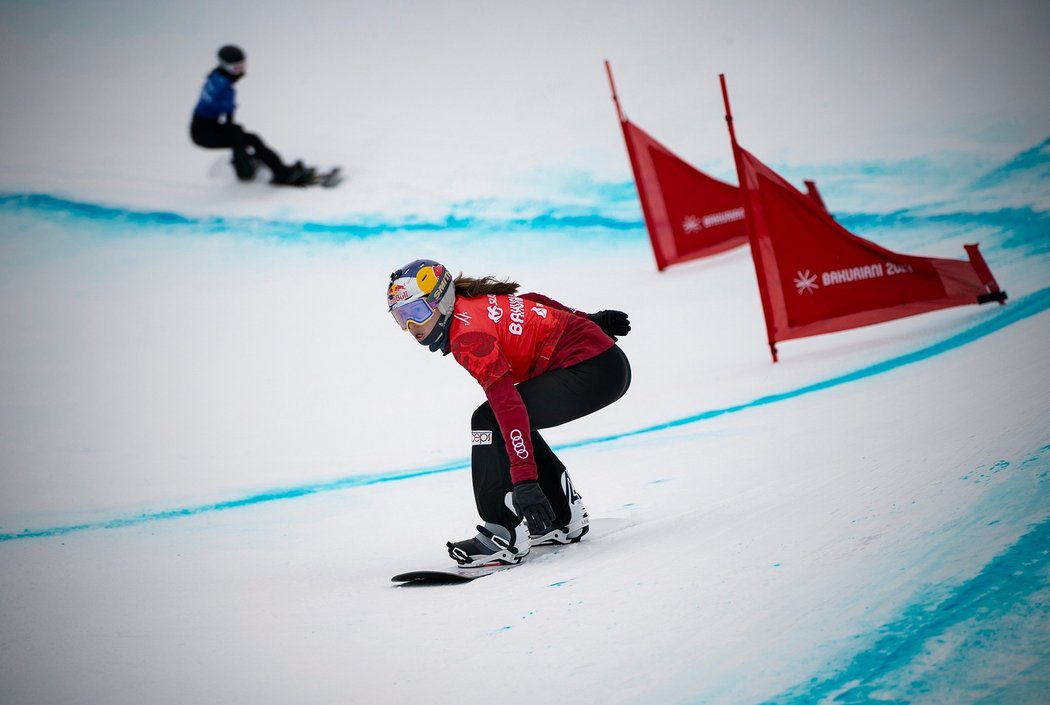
[296, 175]
[576, 523]
[494, 545]
[245, 164]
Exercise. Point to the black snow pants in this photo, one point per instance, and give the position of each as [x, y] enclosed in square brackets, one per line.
[212, 134]
[552, 398]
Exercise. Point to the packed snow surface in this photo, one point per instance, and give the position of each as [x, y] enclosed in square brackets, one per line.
[216, 448]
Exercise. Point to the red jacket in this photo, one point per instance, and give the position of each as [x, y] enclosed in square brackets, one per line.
[504, 340]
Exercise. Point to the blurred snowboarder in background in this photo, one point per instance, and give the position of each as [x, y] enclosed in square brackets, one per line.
[213, 126]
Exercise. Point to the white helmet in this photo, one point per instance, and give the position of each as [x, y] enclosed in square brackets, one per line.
[418, 291]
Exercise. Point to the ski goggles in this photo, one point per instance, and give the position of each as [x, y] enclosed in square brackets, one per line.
[417, 311]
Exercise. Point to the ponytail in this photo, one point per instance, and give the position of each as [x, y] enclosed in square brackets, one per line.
[471, 286]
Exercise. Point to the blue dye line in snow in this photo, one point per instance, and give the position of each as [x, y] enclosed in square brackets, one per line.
[1008, 587]
[250, 500]
[548, 217]
[1022, 227]
[1016, 310]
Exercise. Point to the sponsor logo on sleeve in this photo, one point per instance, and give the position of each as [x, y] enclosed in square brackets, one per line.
[518, 442]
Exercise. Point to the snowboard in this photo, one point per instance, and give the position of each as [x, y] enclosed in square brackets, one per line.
[327, 179]
[457, 575]
[224, 168]
[449, 576]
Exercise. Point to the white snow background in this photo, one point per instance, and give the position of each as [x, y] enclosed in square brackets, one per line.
[216, 447]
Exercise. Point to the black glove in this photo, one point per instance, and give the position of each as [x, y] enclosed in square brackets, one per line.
[614, 323]
[530, 502]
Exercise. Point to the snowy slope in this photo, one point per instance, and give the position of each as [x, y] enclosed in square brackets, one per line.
[202, 497]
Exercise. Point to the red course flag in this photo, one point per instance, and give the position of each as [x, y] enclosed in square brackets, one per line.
[687, 213]
[814, 276]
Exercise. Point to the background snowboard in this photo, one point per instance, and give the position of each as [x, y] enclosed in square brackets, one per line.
[222, 169]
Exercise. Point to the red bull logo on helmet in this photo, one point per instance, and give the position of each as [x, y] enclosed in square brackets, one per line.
[396, 293]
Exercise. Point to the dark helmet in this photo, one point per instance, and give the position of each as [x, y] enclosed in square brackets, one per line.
[231, 59]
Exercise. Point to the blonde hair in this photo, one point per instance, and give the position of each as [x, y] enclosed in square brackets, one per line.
[471, 286]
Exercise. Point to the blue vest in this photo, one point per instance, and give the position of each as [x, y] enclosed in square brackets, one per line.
[217, 96]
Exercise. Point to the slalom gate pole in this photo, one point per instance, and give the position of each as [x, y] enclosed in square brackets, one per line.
[756, 255]
[729, 113]
[616, 98]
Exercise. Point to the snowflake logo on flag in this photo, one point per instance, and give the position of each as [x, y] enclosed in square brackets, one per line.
[806, 282]
[691, 224]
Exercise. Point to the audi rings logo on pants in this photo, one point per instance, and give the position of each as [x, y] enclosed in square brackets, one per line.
[519, 444]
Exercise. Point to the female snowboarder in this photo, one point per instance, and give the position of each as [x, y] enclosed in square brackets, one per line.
[541, 364]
